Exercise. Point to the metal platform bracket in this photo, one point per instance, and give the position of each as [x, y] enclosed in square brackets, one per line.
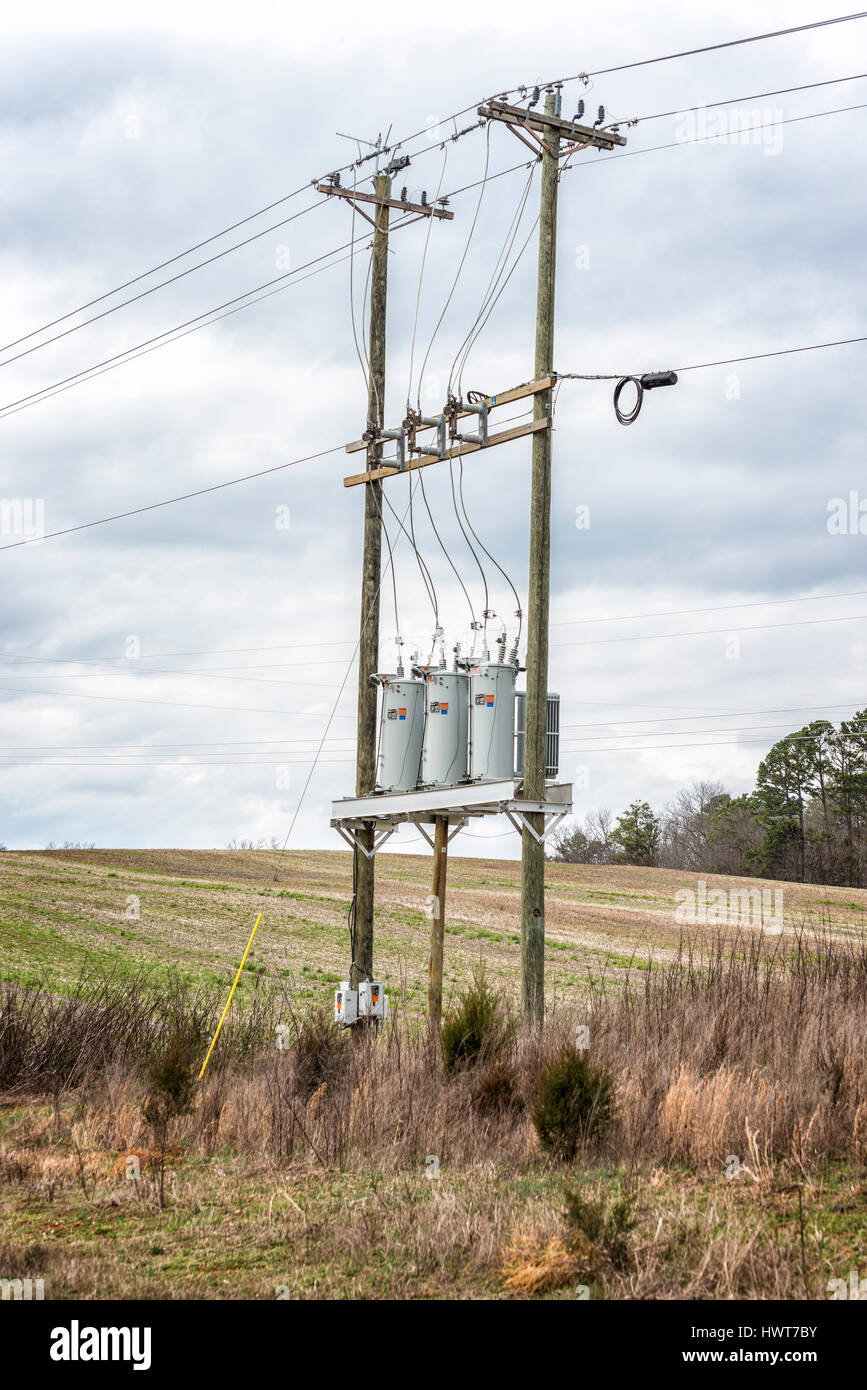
[385, 812]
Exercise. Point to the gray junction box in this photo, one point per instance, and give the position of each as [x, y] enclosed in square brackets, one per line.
[552, 742]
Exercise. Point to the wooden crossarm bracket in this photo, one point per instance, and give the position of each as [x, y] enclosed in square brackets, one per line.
[539, 121]
[425, 460]
[354, 196]
[515, 393]
[540, 146]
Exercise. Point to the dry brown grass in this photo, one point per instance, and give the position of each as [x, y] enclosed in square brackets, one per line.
[311, 1168]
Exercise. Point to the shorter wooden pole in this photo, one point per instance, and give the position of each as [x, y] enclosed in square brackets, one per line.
[438, 916]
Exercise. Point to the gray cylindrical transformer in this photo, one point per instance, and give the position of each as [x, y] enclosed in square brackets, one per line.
[492, 720]
[444, 751]
[401, 729]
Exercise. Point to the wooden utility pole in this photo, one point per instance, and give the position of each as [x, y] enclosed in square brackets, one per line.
[535, 738]
[542, 132]
[371, 578]
[437, 929]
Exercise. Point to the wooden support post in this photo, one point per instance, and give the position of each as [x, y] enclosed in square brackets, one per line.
[438, 918]
[371, 578]
[535, 738]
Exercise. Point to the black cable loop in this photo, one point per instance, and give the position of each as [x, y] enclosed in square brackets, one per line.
[628, 417]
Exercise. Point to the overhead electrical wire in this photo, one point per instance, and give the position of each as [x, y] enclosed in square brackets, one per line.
[363, 360]
[163, 283]
[497, 273]
[131, 355]
[170, 501]
[338, 448]
[753, 96]
[470, 547]
[710, 631]
[169, 704]
[425, 573]
[445, 551]
[423, 567]
[439, 143]
[29, 766]
[723, 362]
[712, 608]
[201, 321]
[333, 715]
[376, 493]
[430, 223]
[715, 138]
[686, 747]
[464, 355]
[706, 48]
[461, 262]
[682, 733]
[250, 217]
[518, 611]
[7, 407]
[717, 714]
[186, 674]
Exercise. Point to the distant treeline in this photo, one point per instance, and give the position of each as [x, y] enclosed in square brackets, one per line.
[806, 820]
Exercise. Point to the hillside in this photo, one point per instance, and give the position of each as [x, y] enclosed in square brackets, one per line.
[62, 909]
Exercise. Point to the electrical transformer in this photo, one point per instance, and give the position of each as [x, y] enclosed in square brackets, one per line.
[401, 730]
[492, 720]
[552, 742]
[444, 748]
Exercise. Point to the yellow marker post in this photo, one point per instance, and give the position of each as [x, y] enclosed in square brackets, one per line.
[229, 1000]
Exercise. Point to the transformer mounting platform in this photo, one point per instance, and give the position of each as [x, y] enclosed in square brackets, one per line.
[385, 812]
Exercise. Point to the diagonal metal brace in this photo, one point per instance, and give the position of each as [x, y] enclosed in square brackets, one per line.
[520, 822]
[452, 833]
[351, 838]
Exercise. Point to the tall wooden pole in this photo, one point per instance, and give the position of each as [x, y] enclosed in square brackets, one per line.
[371, 575]
[438, 921]
[535, 739]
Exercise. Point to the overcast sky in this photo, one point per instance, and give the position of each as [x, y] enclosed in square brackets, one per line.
[146, 130]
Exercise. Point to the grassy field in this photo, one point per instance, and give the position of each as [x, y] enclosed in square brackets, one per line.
[380, 1177]
[60, 909]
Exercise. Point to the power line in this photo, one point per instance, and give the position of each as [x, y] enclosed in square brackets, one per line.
[120, 671]
[162, 284]
[708, 48]
[714, 608]
[215, 743]
[131, 355]
[278, 279]
[718, 714]
[723, 362]
[170, 501]
[685, 747]
[212, 651]
[78, 766]
[754, 96]
[707, 632]
[718, 138]
[682, 733]
[461, 262]
[211, 316]
[250, 217]
[172, 704]
[355, 164]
